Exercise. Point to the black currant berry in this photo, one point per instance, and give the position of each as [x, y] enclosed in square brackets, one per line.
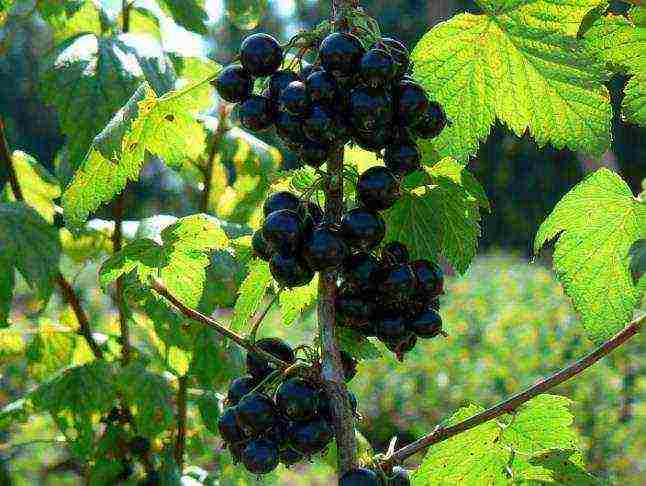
[340, 54]
[279, 433]
[310, 437]
[260, 456]
[260, 247]
[290, 271]
[426, 325]
[403, 158]
[321, 126]
[377, 188]
[324, 249]
[256, 413]
[234, 84]
[349, 365]
[359, 271]
[230, 431]
[282, 231]
[399, 477]
[362, 228]
[289, 456]
[411, 103]
[399, 52]
[394, 253]
[312, 216]
[259, 367]
[432, 122]
[399, 284]
[430, 278]
[322, 88]
[359, 477]
[402, 345]
[391, 327]
[315, 154]
[257, 113]
[355, 308]
[261, 54]
[370, 107]
[239, 388]
[279, 81]
[281, 200]
[139, 445]
[373, 140]
[377, 67]
[307, 70]
[434, 304]
[325, 405]
[293, 99]
[290, 128]
[297, 399]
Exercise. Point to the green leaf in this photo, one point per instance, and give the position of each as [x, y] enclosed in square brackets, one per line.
[246, 14]
[192, 70]
[178, 360]
[559, 467]
[187, 13]
[211, 363]
[251, 293]
[473, 457]
[209, 407]
[163, 126]
[634, 104]
[51, 350]
[519, 62]
[30, 245]
[356, 344]
[595, 225]
[13, 413]
[11, 344]
[7, 282]
[294, 301]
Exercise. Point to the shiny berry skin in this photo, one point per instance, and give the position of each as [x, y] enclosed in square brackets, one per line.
[310, 437]
[359, 271]
[411, 103]
[139, 445]
[426, 325]
[378, 189]
[370, 107]
[322, 88]
[359, 477]
[391, 327]
[349, 365]
[324, 249]
[257, 113]
[325, 405]
[289, 128]
[256, 413]
[398, 477]
[279, 433]
[230, 431]
[432, 122]
[362, 228]
[259, 367]
[340, 54]
[261, 54]
[279, 81]
[260, 247]
[320, 125]
[377, 67]
[293, 99]
[260, 456]
[282, 230]
[374, 139]
[307, 70]
[281, 200]
[394, 252]
[403, 158]
[297, 399]
[430, 278]
[290, 271]
[315, 154]
[234, 84]
[399, 284]
[355, 308]
[240, 387]
[399, 52]
[289, 456]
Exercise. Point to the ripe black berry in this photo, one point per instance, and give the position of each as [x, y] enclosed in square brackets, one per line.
[355, 308]
[279, 81]
[293, 99]
[322, 88]
[310, 437]
[359, 477]
[234, 84]
[320, 125]
[377, 188]
[349, 365]
[370, 107]
[373, 140]
[256, 413]
[399, 477]
[430, 278]
[260, 247]
[228, 426]
[325, 405]
[290, 128]
[402, 345]
[399, 52]
[426, 325]
[281, 200]
[260, 456]
[312, 216]
[257, 113]
[403, 158]
[289, 456]
[325, 249]
[377, 67]
[411, 103]
[282, 230]
[261, 54]
[432, 122]
[399, 283]
[259, 367]
[307, 70]
[239, 388]
[279, 433]
[297, 399]
[362, 228]
[340, 54]
[394, 252]
[359, 271]
[315, 154]
[139, 445]
[290, 271]
[391, 327]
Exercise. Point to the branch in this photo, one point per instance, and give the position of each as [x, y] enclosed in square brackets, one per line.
[180, 443]
[208, 170]
[117, 243]
[67, 291]
[515, 401]
[261, 317]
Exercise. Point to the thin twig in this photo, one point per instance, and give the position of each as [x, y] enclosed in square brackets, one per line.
[515, 401]
[119, 300]
[180, 443]
[261, 317]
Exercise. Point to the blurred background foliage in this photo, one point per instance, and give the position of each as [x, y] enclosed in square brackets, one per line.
[509, 322]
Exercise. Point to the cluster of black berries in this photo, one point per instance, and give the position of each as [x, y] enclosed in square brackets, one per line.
[398, 476]
[288, 424]
[350, 94]
[391, 298]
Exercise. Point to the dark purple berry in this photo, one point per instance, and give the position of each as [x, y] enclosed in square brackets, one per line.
[230, 431]
[391, 327]
[359, 271]
[399, 284]
[279, 433]
[290, 128]
[394, 252]
[260, 247]
[402, 345]
[261, 54]
[307, 70]
[370, 107]
[430, 278]
[256, 413]
[259, 367]
[349, 365]
[279, 81]
[289, 456]
[260, 456]
[139, 445]
[427, 325]
[377, 188]
[315, 154]
[373, 140]
[362, 228]
[432, 122]
[310, 437]
[293, 99]
[290, 271]
[239, 388]
[398, 51]
[257, 113]
[282, 230]
[281, 200]
[312, 216]
[297, 399]
[325, 249]
[399, 477]
[340, 54]
[322, 88]
[320, 125]
[411, 103]
[359, 477]
[355, 308]
[325, 405]
[234, 84]
[403, 158]
[377, 67]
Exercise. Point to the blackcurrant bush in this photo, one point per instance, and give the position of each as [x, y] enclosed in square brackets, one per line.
[432, 122]
[411, 103]
[261, 54]
[279, 433]
[230, 431]
[399, 52]
[340, 54]
[377, 188]
[113, 416]
[139, 445]
[399, 283]
[320, 125]
[290, 271]
[355, 308]
[315, 154]
[398, 477]
[373, 140]
[324, 249]
[126, 472]
[362, 228]
[310, 437]
[256, 413]
[289, 456]
[370, 107]
[234, 84]
[260, 247]
[257, 113]
[240, 387]
[403, 158]
[290, 128]
[430, 278]
[322, 88]
[293, 99]
[282, 230]
[259, 367]
[260, 456]
[281, 200]
[426, 325]
[279, 81]
[349, 365]
[394, 252]
[359, 271]
[359, 477]
[391, 327]
[377, 67]
[297, 399]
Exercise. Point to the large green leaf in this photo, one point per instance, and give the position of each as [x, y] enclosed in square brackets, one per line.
[251, 293]
[520, 62]
[558, 467]
[189, 14]
[12, 344]
[595, 224]
[50, 350]
[294, 301]
[7, 282]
